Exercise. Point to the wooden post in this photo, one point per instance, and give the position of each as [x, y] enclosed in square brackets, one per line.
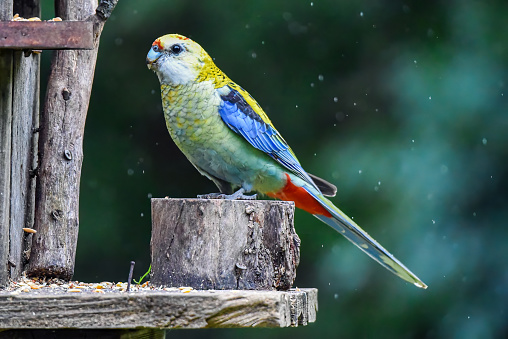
[25, 120]
[224, 244]
[5, 145]
[61, 146]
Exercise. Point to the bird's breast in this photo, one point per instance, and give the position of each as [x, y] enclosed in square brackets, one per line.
[194, 123]
[191, 113]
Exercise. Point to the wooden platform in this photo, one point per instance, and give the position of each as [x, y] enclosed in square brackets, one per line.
[47, 309]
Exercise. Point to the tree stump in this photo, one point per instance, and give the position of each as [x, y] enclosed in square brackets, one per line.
[224, 244]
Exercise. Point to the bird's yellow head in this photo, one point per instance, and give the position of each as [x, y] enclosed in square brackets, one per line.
[177, 60]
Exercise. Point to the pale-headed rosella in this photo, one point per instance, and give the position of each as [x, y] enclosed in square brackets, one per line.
[228, 137]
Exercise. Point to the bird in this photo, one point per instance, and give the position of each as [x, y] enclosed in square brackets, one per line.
[229, 139]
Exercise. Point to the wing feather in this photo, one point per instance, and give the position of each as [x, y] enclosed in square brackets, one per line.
[245, 117]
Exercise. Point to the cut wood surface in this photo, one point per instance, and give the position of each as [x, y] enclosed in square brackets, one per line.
[224, 244]
[157, 309]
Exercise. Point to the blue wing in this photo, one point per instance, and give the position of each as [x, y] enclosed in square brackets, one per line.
[243, 119]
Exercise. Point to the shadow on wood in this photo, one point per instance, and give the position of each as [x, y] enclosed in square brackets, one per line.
[224, 244]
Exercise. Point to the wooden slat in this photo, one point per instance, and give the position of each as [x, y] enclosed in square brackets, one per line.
[46, 35]
[5, 145]
[157, 309]
[25, 118]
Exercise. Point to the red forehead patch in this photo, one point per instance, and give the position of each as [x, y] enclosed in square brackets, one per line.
[181, 37]
[157, 43]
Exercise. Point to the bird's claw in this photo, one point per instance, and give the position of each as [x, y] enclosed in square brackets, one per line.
[238, 195]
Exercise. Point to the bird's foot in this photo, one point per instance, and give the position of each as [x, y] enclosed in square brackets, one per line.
[238, 195]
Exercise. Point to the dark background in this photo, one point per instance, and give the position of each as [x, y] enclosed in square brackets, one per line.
[403, 105]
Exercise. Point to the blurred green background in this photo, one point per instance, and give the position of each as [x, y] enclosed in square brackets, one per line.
[403, 105]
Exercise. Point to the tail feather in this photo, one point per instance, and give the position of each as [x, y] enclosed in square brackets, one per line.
[349, 229]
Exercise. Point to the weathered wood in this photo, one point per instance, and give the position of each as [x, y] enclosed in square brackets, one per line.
[25, 118]
[224, 244]
[157, 309]
[148, 333]
[46, 35]
[5, 145]
[61, 149]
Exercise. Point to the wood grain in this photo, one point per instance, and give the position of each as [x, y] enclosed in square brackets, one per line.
[5, 146]
[61, 149]
[224, 244]
[157, 309]
[46, 35]
[25, 119]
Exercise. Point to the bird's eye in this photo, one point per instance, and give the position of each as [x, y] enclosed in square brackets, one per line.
[156, 48]
[176, 49]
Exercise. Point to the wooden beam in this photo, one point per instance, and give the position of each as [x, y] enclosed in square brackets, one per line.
[46, 35]
[47, 309]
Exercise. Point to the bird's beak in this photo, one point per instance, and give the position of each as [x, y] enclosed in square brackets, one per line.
[152, 57]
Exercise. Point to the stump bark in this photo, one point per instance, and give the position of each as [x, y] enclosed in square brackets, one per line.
[224, 244]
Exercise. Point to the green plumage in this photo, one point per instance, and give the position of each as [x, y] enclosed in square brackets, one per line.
[193, 121]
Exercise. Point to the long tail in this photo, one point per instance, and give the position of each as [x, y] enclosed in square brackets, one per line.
[326, 211]
[349, 229]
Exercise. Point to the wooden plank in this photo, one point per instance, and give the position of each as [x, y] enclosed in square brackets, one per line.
[157, 309]
[25, 118]
[5, 145]
[224, 244]
[46, 35]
